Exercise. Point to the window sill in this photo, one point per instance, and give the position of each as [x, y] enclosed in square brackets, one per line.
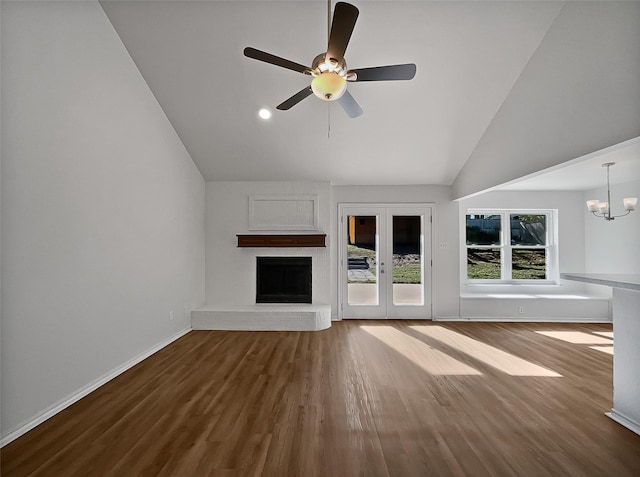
[501, 283]
[530, 296]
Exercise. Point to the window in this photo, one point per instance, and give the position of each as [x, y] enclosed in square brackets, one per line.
[510, 246]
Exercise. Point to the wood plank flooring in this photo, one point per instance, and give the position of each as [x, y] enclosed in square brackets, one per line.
[363, 398]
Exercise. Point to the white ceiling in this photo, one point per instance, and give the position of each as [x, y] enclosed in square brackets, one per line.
[469, 55]
[586, 173]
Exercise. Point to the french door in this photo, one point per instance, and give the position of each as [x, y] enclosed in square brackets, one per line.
[385, 261]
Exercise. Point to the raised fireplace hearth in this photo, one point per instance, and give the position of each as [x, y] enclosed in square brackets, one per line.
[283, 280]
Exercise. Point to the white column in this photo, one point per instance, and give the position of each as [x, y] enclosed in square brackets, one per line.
[626, 358]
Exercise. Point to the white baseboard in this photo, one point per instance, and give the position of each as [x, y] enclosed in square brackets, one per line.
[624, 420]
[82, 392]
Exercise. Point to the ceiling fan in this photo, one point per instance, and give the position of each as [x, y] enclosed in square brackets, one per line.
[329, 69]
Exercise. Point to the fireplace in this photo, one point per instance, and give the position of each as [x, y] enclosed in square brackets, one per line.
[283, 280]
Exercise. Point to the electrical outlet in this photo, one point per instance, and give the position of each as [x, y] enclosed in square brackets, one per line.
[521, 310]
[171, 315]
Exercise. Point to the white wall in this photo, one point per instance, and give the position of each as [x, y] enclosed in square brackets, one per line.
[612, 246]
[102, 210]
[569, 101]
[445, 261]
[231, 271]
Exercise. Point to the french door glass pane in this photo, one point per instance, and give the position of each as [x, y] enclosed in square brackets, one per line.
[483, 263]
[362, 258]
[407, 260]
[528, 264]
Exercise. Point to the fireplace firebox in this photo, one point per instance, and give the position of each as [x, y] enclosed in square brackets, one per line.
[283, 280]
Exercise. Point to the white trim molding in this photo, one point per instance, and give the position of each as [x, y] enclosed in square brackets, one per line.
[624, 421]
[507, 246]
[283, 212]
[82, 392]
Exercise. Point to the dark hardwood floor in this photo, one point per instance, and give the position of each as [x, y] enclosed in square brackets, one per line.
[382, 398]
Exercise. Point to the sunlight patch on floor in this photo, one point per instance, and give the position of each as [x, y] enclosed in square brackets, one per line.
[604, 349]
[431, 360]
[576, 337]
[494, 357]
[608, 334]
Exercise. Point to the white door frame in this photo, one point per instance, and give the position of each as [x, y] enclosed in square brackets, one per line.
[404, 208]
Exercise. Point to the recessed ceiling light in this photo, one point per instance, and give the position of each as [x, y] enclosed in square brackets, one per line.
[264, 113]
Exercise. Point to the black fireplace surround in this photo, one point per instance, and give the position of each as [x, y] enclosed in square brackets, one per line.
[283, 280]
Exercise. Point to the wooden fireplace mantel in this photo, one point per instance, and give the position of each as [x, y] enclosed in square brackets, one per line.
[284, 240]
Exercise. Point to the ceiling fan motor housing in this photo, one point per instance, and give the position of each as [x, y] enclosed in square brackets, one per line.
[329, 82]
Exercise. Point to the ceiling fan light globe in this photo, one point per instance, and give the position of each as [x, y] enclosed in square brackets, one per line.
[329, 86]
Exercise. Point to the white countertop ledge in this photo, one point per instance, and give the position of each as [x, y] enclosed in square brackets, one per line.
[615, 280]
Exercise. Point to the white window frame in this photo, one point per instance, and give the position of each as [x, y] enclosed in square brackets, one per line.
[505, 247]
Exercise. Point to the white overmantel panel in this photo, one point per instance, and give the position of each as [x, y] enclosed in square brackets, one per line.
[283, 212]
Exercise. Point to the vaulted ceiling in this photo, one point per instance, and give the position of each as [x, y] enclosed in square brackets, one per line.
[469, 57]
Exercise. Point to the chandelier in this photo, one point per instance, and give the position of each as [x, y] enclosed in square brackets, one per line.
[603, 209]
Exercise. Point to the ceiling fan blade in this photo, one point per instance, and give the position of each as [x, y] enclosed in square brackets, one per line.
[295, 99]
[274, 60]
[384, 73]
[350, 105]
[344, 20]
